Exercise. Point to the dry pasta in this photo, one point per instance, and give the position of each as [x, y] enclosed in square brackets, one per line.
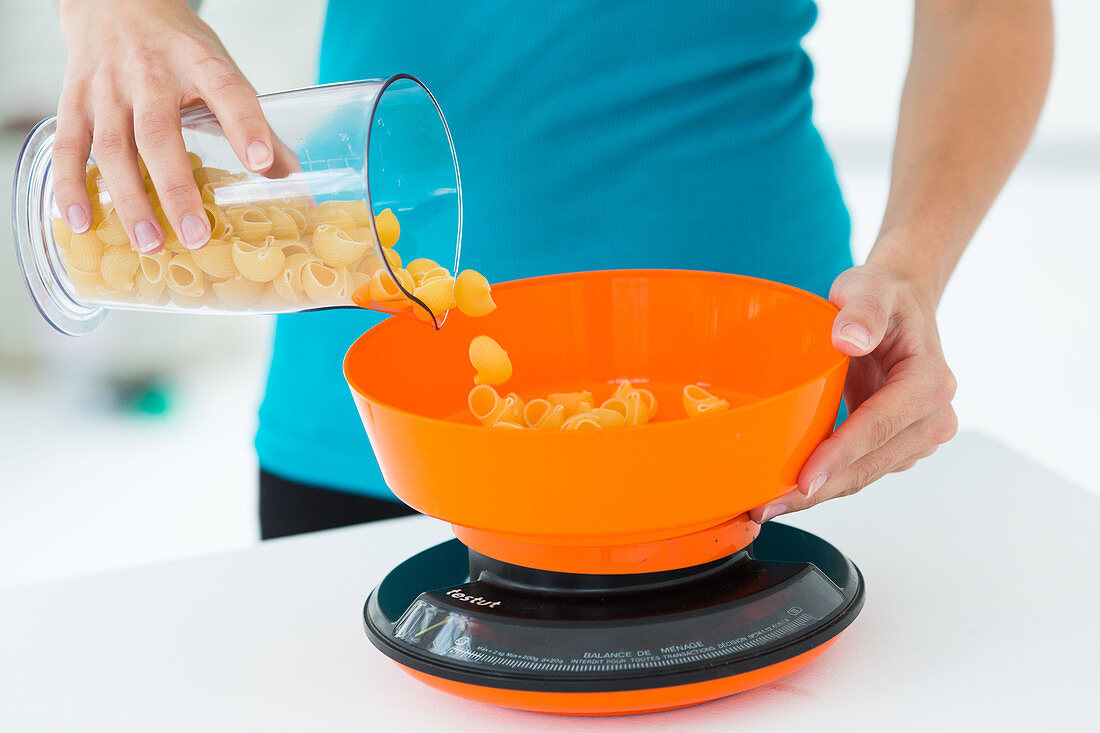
[184, 276]
[388, 228]
[118, 267]
[285, 222]
[324, 284]
[249, 222]
[154, 267]
[111, 232]
[288, 283]
[335, 248]
[472, 294]
[220, 228]
[491, 362]
[237, 291]
[572, 402]
[582, 421]
[259, 262]
[418, 267]
[267, 255]
[149, 291]
[699, 402]
[330, 213]
[216, 259]
[438, 295]
[85, 251]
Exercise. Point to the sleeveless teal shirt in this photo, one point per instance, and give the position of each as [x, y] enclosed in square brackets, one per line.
[591, 134]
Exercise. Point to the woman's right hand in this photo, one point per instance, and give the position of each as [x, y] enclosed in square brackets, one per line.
[133, 65]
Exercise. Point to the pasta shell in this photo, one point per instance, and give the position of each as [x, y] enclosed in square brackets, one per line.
[392, 257]
[118, 267]
[238, 291]
[286, 223]
[490, 361]
[184, 277]
[482, 400]
[552, 419]
[330, 213]
[384, 289]
[419, 266]
[294, 248]
[86, 284]
[272, 302]
[148, 291]
[154, 267]
[387, 227]
[506, 425]
[259, 262]
[582, 421]
[358, 211]
[324, 284]
[572, 402]
[437, 295]
[488, 407]
[249, 222]
[85, 252]
[699, 402]
[649, 400]
[215, 258]
[359, 284]
[288, 284]
[111, 232]
[437, 273]
[534, 411]
[220, 228]
[335, 247]
[519, 403]
[608, 418]
[195, 160]
[61, 233]
[205, 175]
[472, 294]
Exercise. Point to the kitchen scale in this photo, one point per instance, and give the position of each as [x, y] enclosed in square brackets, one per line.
[609, 572]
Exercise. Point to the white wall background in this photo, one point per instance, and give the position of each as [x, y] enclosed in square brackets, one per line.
[85, 486]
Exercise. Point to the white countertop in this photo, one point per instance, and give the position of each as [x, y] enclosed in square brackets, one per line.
[982, 613]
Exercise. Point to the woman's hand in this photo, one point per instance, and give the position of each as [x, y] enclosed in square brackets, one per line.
[899, 389]
[133, 64]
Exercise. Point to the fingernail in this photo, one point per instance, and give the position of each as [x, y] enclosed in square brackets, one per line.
[258, 154]
[856, 335]
[78, 220]
[195, 232]
[817, 483]
[771, 511]
[146, 235]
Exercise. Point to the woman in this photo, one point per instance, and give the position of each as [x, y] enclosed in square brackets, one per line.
[597, 135]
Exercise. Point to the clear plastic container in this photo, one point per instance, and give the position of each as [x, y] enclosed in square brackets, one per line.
[370, 216]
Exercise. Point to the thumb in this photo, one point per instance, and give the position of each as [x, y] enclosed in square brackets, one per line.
[862, 321]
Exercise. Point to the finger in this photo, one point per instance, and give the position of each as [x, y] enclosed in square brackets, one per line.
[160, 142]
[862, 321]
[917, 441]
[916, 388]
[71, 146]
[116, 155]
[912, 461]
[233, 101]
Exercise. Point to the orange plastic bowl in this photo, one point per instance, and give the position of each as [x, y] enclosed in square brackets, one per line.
[667, 494]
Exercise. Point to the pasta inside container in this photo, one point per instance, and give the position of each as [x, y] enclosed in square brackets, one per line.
[364, 182]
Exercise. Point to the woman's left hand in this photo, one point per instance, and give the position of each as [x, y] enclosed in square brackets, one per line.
[899, 389]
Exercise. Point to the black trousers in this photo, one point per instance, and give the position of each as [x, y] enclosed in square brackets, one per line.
[289, 508]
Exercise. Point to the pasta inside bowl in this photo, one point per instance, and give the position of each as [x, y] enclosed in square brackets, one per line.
[765, 347]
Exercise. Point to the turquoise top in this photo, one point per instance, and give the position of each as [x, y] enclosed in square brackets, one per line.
[590, 135]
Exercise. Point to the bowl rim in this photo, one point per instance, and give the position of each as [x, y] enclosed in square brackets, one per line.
[840, 361]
